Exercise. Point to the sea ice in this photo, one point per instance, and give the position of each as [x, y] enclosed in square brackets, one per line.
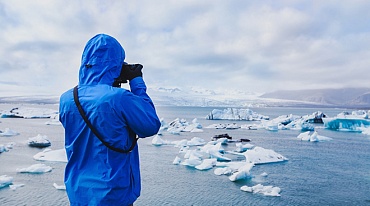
[351, 122]
[36, 168]
[5, 180]
[51, 155]
[265, 190]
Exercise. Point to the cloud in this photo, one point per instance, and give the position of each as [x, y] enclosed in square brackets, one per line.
[254, 46]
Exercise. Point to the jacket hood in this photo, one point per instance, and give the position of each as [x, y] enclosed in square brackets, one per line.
[102, 60]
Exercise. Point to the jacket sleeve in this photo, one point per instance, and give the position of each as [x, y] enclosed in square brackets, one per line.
[139, 110]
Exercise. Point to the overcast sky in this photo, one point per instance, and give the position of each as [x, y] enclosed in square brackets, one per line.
[246, 45]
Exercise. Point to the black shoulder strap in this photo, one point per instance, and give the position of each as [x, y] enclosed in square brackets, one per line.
[77, 101]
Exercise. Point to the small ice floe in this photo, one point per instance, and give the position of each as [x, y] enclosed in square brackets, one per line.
[39, 141]
[51, 155]
[36, 169]
[263, 174]
[216, 126]
[158, 141]
[5, 180]
[259, 155]
[15, 186]
[8, 132]
[232, 126]
[242, 172]
[5, 148]
[265, 190]
[59, 187]
[314, 137]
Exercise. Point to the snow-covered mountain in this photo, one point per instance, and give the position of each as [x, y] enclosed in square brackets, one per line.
[176, 96]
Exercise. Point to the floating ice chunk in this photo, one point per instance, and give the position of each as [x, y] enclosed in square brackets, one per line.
[235, 114]
[265, 190]
[28, 112]
[259, 155]
[8, 132]
[59, 187]
[176, 161]
[2, 148]
[232, 126]
[346, 124]
[15, 186]
[263, 174]
[224, 171]
[157, 141]
[51, 155]
[5, 180]
[39, 141]
[242, 172]
[206, 164]
[314, 137]
[216, 126]
[36, 168]
[5, 148]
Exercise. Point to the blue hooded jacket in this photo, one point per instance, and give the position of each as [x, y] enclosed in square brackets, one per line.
[94, 174]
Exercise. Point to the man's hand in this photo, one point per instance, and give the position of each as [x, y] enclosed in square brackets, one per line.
[130, 71]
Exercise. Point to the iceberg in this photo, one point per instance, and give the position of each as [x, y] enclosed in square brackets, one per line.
[29, 112]
[180, 125]
[265, 190]
[5, 148]
[235, 114]
[39, 141]
[51, 155]
[8, 132]
[350, 122]
[314, 137]
[242, 172]
[5, 180]
[35, 169]
[259, 155]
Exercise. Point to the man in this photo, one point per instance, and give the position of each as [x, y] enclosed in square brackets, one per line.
[103, 165]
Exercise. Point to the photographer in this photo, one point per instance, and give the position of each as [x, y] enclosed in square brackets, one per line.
[101, 122]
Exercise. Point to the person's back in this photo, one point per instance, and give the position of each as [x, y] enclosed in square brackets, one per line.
[95, 174]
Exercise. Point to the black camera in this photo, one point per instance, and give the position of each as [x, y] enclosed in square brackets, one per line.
[128, 72]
